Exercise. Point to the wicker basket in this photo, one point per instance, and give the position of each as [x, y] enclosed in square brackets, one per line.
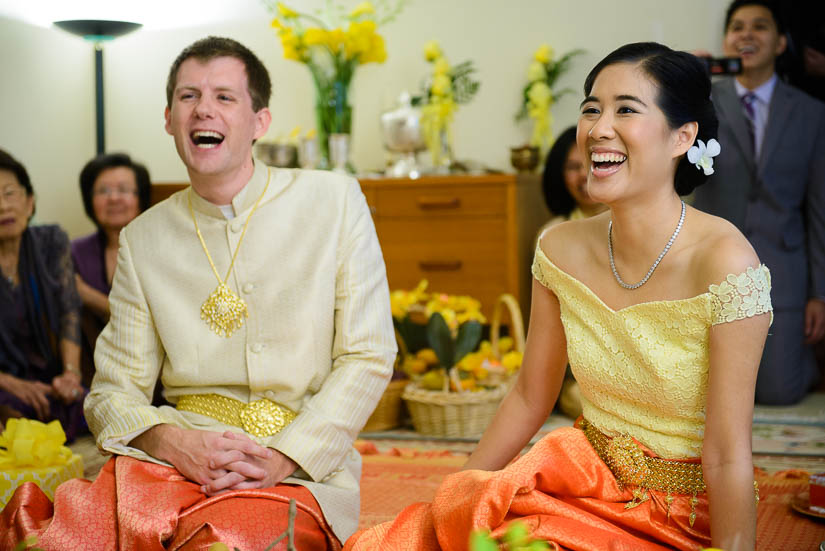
[464, 414]
[387, 414]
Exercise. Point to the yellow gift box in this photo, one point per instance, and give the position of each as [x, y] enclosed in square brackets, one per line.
[48, 478]
[31, 451]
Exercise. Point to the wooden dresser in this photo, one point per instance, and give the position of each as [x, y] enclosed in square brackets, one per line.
[470, 235]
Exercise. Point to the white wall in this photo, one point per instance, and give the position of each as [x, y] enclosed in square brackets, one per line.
[47, 91]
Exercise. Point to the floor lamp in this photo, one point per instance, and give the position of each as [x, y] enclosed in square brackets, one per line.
[98, 31]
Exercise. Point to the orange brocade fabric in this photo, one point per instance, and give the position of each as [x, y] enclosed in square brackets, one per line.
[136, 505]
[561, 490]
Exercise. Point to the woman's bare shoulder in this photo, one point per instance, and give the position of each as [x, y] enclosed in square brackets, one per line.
[569, 242]
[721, 249]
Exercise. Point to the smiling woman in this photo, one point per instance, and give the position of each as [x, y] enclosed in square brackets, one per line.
[661, 457]
[115, 190]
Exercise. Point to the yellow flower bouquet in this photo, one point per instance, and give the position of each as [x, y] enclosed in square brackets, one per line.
[538, 95]
[332, 44]
[447, 88]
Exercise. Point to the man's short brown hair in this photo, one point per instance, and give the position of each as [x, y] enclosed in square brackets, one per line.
[211, 47]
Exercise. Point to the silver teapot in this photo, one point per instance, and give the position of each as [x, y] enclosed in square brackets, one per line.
[401, 128]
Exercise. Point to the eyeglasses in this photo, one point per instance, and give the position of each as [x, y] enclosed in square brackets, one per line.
[12, 194]
[111, 192]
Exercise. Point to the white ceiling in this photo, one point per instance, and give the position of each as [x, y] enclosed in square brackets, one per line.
[153, 14]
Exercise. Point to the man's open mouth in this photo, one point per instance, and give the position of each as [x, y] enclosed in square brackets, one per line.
[206, 139]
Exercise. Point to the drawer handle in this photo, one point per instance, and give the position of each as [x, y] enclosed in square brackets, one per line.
[433, 203]
[440, 265]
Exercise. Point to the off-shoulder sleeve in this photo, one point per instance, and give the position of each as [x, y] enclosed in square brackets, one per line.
[742, 296]
[542, 268]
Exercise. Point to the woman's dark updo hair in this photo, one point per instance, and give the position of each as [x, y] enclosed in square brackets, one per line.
[558, 199]
[105, 161]
[683, 83]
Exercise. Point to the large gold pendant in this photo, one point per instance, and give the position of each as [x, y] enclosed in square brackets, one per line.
[224, 311]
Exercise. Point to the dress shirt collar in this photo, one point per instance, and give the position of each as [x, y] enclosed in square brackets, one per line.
[763, 92]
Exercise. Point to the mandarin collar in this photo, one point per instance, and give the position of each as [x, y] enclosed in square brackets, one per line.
[242, 201]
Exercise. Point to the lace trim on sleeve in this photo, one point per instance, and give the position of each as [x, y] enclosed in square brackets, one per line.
[742, 296]
[540, 267]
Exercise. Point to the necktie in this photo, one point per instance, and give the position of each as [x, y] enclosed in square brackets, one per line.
[748, 101]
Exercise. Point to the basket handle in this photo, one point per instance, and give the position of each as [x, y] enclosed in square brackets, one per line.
[507, 300]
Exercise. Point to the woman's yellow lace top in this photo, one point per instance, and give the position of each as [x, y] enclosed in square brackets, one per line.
[643, 370]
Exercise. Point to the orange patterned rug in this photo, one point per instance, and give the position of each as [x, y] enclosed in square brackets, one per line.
[401, 476]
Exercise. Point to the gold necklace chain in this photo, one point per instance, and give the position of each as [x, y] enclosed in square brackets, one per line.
[224, 311]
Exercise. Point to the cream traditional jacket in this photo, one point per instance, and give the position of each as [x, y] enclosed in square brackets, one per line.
[319, 337]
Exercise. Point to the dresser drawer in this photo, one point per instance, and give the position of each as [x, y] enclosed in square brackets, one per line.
[441, 200]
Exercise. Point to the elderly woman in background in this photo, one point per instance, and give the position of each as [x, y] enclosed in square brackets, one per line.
[39, 311]
[115, 190]
[564, 182]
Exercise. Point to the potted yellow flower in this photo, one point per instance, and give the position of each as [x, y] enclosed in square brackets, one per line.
[332, 44]
[457, 379]
[538, 97]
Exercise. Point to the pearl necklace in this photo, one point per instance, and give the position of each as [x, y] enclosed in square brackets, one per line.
[655, 264]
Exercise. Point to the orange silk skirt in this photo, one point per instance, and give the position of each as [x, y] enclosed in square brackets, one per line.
[561, 490]
[137, 505]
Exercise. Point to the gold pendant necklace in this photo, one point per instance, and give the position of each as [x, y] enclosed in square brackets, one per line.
[224, 311]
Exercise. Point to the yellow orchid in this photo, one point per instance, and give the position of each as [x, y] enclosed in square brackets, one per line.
[543, 54]
[536, 72]
[441, 66]
[512, 361]
[432, 50]
[441, 85]
[363, 8]
[539, 96]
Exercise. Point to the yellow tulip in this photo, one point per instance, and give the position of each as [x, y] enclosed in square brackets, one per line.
[432, 380]
[544, 54]
[432, 50]
[361, 9]
[286, 12]
[536, 72]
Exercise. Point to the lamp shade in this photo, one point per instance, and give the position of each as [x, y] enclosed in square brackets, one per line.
[97, 29]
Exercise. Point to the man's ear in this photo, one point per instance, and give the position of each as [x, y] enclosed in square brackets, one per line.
[781, 45]
[685, 138]
[263, 118]
[167, 116]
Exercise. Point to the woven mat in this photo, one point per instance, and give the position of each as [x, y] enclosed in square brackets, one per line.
[403, 476]
[810, 411]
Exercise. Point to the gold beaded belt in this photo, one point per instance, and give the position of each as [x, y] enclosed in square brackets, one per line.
[259, 418]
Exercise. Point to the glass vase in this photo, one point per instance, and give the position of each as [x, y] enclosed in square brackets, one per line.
[333, 114]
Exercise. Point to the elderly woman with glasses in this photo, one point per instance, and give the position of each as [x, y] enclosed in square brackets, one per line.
[115, 190]
[39, 311]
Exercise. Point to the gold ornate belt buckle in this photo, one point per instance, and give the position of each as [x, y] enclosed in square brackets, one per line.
[263, 418]
[627, 460]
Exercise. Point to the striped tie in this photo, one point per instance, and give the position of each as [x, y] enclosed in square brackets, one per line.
[748, 101]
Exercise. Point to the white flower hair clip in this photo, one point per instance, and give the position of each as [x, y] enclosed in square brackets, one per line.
[702, 155]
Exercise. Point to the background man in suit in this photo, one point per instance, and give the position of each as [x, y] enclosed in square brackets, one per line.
[769, 181]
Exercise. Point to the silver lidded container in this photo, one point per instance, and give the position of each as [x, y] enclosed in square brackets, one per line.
[401, 128]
